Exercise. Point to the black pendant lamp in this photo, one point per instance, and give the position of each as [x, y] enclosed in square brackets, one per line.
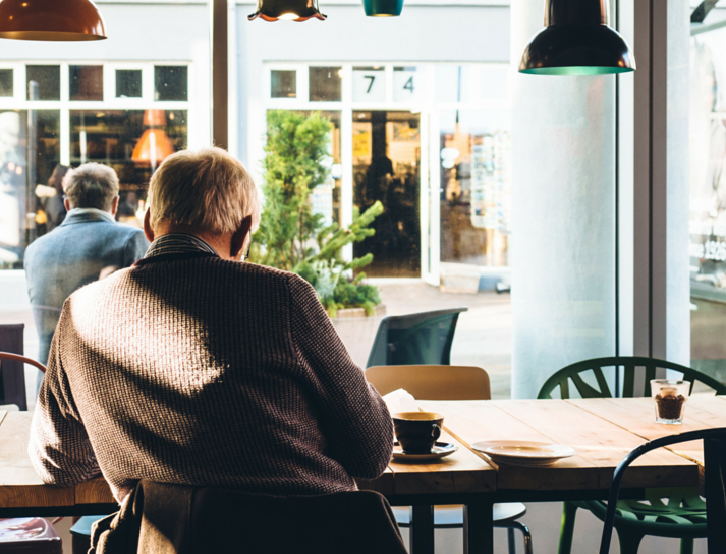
[294, 10]
[577, 40]
[57, 20]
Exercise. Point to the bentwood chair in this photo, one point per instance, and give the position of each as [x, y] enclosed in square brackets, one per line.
[12, 382]
[675, 513]
[447, 382]
[12, 378]
[714, 445]
[422, 338]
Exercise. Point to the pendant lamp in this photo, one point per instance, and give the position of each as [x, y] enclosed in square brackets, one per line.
[577, 40]
[154, 145]
[382, 8]
[56, 20]
[295, 10]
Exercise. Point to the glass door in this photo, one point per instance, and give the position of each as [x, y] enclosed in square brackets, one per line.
[387, 162]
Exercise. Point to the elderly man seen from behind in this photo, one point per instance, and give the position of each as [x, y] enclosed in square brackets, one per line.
[86, 247]
[193, 368]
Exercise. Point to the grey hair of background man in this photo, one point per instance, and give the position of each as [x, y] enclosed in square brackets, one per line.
[207, 189]
[91, 186]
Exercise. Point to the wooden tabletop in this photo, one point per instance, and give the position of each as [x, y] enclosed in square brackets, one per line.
[601, 430]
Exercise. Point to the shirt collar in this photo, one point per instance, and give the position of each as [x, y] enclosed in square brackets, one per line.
[91, 213]
[179, 243]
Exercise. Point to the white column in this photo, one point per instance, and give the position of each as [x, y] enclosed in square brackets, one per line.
[563, 215]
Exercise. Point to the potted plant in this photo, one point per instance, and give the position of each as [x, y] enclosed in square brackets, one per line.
[293, 238]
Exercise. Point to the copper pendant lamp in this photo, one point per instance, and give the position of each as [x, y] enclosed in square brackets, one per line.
[154, 146]
[294, 10]
[577, 40]
[51, 20]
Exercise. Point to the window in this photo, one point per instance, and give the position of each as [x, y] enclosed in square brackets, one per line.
[283, 84]
[42, 82]
[325, 84]
[129, 83]
[6, 83]
[86, 82]
[170, 82]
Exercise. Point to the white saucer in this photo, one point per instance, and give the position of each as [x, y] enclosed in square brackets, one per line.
[524, 453]
[440, 450]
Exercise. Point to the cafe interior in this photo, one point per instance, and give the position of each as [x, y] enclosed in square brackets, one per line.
[562, 159]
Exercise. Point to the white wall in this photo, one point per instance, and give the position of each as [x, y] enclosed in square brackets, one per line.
[422, 33]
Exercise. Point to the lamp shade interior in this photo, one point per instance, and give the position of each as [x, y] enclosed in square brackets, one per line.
[51, 20]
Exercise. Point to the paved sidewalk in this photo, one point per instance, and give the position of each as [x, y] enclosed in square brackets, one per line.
[483, 334]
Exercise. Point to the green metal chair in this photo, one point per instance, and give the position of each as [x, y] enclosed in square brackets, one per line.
[415, 339]
[676, 513]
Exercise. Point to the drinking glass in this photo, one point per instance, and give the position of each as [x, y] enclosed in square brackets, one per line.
[670, 397]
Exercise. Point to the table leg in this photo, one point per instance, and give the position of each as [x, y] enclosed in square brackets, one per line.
[478, 528]
[421, 531]
[715, 459]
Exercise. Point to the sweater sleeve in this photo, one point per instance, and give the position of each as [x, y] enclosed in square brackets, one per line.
[59, 448]
[354, 417]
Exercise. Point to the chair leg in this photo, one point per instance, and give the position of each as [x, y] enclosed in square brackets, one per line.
[567, 529]
[629, 542]
[526, 535]
[510, 540]
[687, 545]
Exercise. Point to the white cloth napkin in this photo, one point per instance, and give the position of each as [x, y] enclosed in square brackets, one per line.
[400, 401]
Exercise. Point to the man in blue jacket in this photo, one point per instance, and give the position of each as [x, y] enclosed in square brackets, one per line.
[86, 247]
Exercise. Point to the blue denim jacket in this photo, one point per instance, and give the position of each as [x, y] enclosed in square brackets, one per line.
[88, 245]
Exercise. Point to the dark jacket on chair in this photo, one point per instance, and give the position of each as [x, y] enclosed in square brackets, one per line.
[177, 519]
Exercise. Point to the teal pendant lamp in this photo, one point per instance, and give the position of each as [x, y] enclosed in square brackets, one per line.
[577, 40]
[294, 10]
[383, 8]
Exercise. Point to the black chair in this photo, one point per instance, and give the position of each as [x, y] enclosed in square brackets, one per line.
[415, 339]
[12, 376]
[714, 446]
[169, 519]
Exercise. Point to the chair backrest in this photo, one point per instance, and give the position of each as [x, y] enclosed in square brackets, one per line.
[432, 382]
[422, 338]
[588, 377]
[12, 375]
[714, 445]
[160, 517]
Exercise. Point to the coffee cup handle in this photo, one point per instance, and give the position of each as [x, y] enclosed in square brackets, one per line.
[436, 432]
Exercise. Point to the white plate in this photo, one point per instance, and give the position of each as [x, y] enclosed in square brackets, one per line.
[440, 450]
[524, 453]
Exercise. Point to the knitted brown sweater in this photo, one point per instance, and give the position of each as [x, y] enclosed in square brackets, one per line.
[195, 370]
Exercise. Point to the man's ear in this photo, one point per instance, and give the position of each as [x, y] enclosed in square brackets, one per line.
[67, 204]
[148, 231]
[114, 205]
[238, 241]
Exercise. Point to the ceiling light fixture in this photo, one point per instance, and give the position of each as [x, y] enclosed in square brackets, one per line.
[577, 40]
[294, 10]
[383, 8]
[51, 20]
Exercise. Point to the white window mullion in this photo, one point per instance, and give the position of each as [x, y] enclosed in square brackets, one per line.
[65, 136]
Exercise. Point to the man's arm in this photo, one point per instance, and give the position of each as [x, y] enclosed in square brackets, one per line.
[59, 447]
[353, 415]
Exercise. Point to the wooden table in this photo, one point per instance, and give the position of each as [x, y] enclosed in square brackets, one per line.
[601, 430]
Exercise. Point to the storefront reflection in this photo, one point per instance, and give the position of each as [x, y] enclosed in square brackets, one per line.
[387, 167]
